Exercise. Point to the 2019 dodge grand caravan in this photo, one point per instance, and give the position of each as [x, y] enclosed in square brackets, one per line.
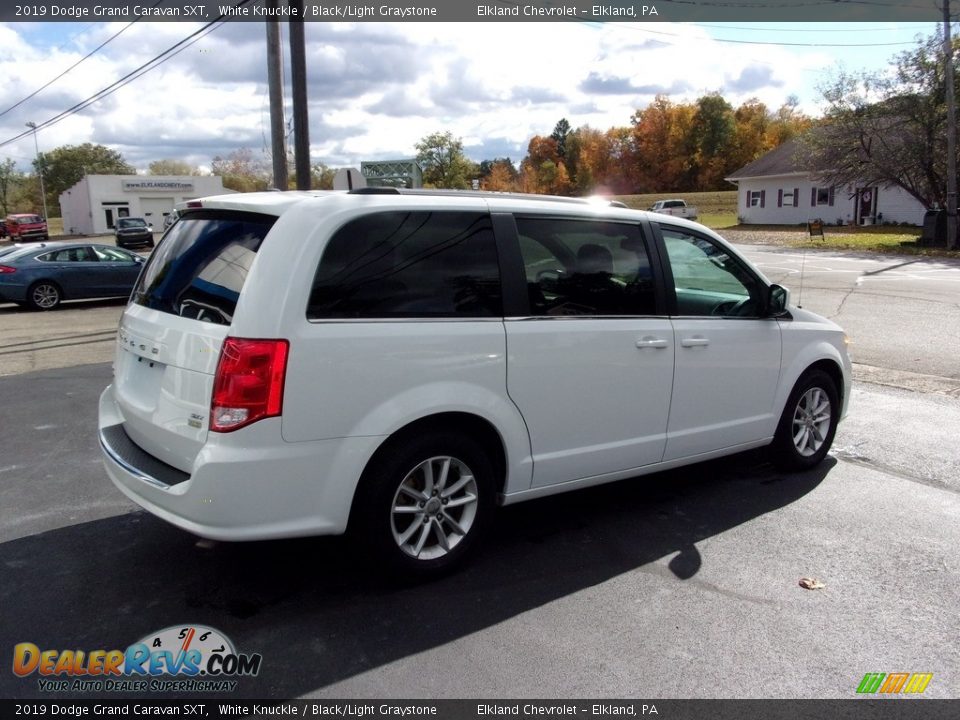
[399, 363]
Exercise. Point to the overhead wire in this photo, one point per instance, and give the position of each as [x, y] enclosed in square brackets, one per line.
[151, 64]
[78, 62]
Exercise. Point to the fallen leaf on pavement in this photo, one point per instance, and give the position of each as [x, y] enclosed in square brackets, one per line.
[811, 584]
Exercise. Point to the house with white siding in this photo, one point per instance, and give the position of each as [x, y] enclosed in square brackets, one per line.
[775, 190]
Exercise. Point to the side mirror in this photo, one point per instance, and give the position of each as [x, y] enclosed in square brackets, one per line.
[778, 301]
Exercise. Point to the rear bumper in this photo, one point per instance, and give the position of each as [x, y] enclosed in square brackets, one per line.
[247, 485]
[144, 239]
[28, 235]
[13, 293]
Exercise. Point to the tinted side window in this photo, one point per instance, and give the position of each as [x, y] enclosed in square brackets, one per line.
[199, 269]
[585, 267]
[708, 280]
[80, 254]
[409, 265]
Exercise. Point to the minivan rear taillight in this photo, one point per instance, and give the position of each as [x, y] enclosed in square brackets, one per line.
[248, 385]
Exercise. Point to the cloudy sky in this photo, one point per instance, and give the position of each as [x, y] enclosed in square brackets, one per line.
[375, 89]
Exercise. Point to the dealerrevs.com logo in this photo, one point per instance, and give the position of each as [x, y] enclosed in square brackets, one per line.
[182, 658]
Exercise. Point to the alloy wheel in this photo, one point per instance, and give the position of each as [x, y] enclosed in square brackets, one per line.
[811, 421]
[45, 296]
[434, 508]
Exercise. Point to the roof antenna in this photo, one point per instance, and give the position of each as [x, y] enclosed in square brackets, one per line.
[803, 262]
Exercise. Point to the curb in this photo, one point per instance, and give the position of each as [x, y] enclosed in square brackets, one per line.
[915, 382]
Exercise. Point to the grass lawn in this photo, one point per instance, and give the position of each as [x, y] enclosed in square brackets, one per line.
[883, 240]
[718, 210]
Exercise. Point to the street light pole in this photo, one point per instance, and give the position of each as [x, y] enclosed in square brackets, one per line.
[951, 130]
[36, 145]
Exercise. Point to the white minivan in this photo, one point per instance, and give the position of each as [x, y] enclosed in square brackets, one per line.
[398, 363]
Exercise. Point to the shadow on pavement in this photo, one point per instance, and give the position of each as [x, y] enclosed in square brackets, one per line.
[318, 613]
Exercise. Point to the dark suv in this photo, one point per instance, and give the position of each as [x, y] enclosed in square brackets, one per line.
[131, 231]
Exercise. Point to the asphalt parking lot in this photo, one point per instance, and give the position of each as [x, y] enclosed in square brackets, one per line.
[681, 584]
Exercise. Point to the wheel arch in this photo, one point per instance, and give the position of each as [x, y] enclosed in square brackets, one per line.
[831, 368]
[474, 426]
[50, 281]
[823, 356]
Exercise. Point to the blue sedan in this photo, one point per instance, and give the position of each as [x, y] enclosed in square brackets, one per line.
[41, 276]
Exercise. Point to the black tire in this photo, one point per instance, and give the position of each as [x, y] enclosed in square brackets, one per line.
[802, 441]
[432, 517]
[44, 295]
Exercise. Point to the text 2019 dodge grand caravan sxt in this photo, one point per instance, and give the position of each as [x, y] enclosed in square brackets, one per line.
[401, 362]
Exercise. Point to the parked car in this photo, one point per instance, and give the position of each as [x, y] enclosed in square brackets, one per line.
[397, 363]
[41, 276]
[26, 226]
[3, 229]
[133, 232]
[169, 219]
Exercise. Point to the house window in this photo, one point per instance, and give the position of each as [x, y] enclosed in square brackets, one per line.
[788, 197]
[821, 196]
[755, 198]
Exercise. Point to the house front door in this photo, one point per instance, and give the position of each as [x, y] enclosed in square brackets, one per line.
[866, 205]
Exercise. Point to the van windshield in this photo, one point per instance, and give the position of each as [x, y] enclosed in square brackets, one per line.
[199, 268]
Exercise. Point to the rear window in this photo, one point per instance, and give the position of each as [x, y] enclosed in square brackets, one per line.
[16, 251]
[199, 268]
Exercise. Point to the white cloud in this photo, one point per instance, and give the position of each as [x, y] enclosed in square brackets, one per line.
[375, 89]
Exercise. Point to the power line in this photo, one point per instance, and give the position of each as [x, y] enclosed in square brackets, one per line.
[155, 62]
[806, 30]
[647, 30]
[85, 57]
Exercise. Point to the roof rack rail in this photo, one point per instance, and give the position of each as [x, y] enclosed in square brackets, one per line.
[439, 192]
[374, 191]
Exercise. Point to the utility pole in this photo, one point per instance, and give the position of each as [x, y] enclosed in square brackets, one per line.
[951, 130]
[36, 146]
[298, 77]
[278, 144]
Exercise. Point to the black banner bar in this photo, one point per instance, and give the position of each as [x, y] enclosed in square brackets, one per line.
[894, 708]
[475, 11]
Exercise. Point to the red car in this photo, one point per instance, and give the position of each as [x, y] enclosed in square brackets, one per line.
[26, 226]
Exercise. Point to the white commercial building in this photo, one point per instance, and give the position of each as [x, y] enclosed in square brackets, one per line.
[92, 206]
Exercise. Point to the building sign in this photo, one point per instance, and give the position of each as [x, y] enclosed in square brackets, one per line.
[157, 186]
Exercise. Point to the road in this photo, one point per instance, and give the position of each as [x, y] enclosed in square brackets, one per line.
[901, 313]
[682, 584]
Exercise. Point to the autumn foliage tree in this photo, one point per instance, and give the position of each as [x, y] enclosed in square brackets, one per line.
[169, 166]
[241, 170]
[668, 147]
[498, 175]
